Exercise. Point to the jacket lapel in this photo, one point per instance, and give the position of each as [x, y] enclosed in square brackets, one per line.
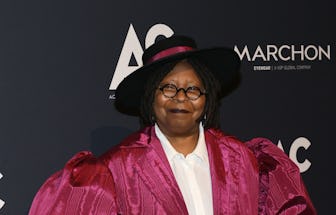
[220, 192]
[154, 170]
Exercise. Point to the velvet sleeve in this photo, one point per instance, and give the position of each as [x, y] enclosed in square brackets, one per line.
[281, 188]
[85, 186]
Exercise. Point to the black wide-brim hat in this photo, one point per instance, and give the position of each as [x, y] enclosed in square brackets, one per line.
[223, 62]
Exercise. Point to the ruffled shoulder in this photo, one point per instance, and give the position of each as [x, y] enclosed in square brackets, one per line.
[281, 188]
[84, 186]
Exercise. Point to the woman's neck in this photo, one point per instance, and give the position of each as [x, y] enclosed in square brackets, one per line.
[184, 144]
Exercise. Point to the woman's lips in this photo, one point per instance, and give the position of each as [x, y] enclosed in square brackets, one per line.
[178, 111]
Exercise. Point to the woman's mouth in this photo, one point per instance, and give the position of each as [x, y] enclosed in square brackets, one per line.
[175, 110]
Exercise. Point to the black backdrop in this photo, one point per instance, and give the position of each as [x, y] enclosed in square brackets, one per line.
[58, 58]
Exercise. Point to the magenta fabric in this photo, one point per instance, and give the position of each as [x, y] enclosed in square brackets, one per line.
[84, 186]
[135, 178]
[282, 190]
[168, 52]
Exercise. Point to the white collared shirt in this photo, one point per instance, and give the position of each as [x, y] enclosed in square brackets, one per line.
[192, 174]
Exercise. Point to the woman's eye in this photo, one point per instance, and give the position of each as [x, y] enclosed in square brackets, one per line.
[170, 87]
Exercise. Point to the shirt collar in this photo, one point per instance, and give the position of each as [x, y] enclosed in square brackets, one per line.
[200, 150]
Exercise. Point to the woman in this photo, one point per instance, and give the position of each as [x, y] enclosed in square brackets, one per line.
[179, 162]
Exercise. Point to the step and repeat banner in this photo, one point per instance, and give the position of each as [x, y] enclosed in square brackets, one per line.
[61, 61]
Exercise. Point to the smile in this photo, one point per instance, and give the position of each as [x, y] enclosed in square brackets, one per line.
[178, 111]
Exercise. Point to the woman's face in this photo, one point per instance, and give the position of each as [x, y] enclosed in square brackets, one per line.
[178, 115]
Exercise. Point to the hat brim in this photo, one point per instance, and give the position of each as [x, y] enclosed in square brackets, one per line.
[224, 63]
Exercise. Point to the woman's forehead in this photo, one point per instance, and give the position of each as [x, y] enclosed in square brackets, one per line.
[182, 72]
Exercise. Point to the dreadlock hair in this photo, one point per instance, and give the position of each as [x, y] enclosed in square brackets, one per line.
[210, 116]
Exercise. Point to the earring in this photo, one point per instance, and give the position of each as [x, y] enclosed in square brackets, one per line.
[153, 120]
[204, 120]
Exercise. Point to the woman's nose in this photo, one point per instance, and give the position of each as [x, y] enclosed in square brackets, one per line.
[181, 95]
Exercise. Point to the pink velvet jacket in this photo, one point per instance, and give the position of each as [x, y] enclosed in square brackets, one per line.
[135, 178]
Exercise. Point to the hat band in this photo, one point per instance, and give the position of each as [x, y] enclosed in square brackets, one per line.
[168, 52]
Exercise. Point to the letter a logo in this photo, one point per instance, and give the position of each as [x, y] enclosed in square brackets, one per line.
[131, 46]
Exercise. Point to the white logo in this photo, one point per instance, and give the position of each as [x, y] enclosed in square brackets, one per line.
[300, 142]
[133, 47]
[2, 203]
[284, 53]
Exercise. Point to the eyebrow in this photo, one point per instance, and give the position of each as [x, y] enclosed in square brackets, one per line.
[194, 85]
